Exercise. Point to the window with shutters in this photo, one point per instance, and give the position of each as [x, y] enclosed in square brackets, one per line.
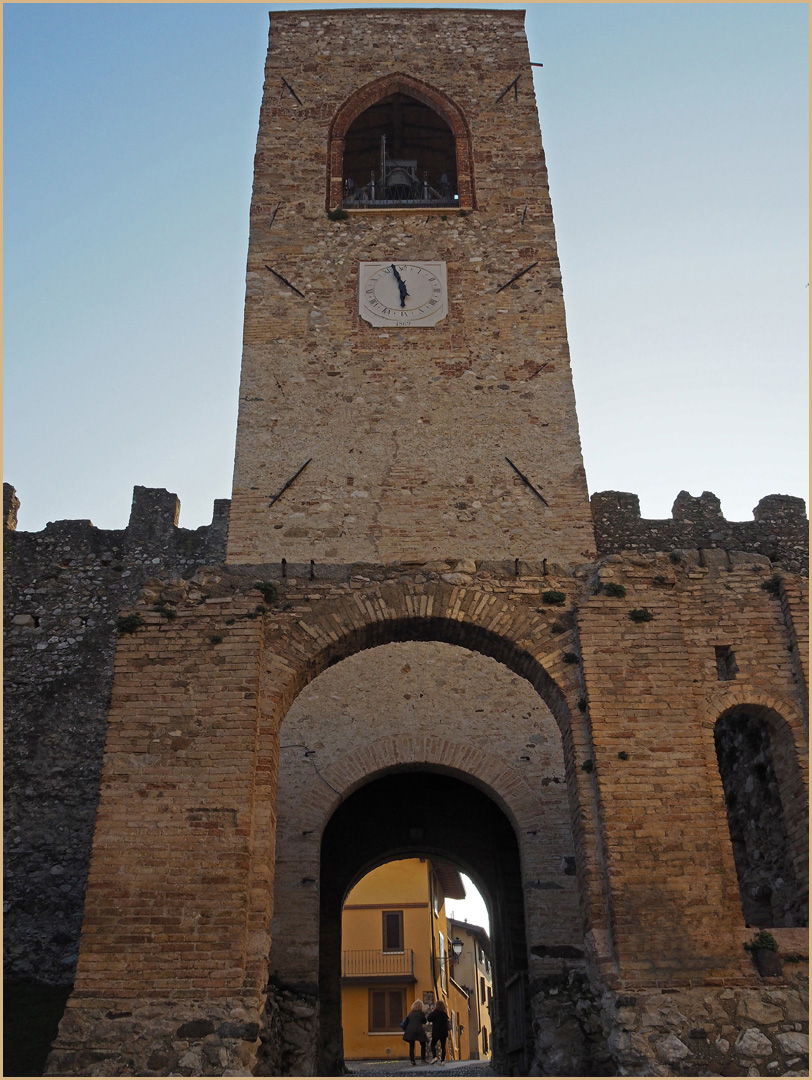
[386, 1009]
[393, 931]
[443, 964]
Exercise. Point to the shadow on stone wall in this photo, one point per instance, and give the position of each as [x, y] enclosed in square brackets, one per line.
[31, 1015]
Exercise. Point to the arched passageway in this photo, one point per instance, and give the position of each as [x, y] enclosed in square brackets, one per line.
[463, 754]
[421, 812]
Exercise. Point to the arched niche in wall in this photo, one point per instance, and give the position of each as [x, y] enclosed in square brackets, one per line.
[766, 813]
[399, 142]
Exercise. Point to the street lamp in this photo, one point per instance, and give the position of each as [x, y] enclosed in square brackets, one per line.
[457, 945]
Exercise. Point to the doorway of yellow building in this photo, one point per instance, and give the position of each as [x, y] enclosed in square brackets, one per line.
[373, 849]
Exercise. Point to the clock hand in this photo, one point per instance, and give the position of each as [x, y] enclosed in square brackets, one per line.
[401, 286]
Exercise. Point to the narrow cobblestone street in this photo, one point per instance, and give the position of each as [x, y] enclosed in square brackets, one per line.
[402, 1067]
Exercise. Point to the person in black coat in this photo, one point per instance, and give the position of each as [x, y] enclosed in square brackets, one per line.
[438, 1018]
[414, 1031]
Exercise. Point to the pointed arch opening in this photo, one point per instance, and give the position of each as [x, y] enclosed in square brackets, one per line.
[399, 143]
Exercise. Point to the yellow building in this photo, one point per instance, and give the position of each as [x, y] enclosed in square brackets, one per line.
[396, 949]
[471, 969]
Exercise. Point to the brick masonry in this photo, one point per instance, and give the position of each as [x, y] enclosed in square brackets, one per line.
[192, 743]
[210, 707]
[63, 589]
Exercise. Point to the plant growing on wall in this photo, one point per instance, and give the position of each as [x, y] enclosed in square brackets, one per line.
[772, 585]
[764, 952]
[164, 609]
[762, 940]
[640, 615]
[268, 590]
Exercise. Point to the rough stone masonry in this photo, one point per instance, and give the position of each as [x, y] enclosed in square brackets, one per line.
[602, 719]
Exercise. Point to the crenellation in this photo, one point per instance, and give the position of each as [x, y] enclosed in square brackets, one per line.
[154, 512]
[779, 530]
[11, 506]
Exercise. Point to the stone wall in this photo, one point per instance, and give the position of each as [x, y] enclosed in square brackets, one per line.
[633, 689]
[656, 875]
[735, 1031]
[779, 529]
[758, 1031]
[63, 590]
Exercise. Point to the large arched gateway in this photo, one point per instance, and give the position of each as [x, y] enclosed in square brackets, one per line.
[418, 748]
[234, 803]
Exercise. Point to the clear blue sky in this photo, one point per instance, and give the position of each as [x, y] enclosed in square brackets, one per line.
[676, 141]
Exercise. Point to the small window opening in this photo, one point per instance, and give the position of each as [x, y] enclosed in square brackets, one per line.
[393, 931]
[726, 666]
[399, 152]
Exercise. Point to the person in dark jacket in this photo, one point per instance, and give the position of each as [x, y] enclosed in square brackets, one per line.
[438, 1018]
[415, 1031]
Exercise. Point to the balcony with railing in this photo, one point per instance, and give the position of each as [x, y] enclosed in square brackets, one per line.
[375, 965]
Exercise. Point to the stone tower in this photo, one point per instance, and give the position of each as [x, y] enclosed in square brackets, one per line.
[418, 129]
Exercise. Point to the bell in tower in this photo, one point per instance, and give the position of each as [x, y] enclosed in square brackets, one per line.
[417, 157]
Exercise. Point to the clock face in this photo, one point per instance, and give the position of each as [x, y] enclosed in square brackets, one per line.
[402, 293]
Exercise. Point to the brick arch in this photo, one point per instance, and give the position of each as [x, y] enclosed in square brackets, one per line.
[493, 625]
[790, 760]
[504, 785]
[368, 95]
[419, 848]
[462, 615]
[781, 710]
